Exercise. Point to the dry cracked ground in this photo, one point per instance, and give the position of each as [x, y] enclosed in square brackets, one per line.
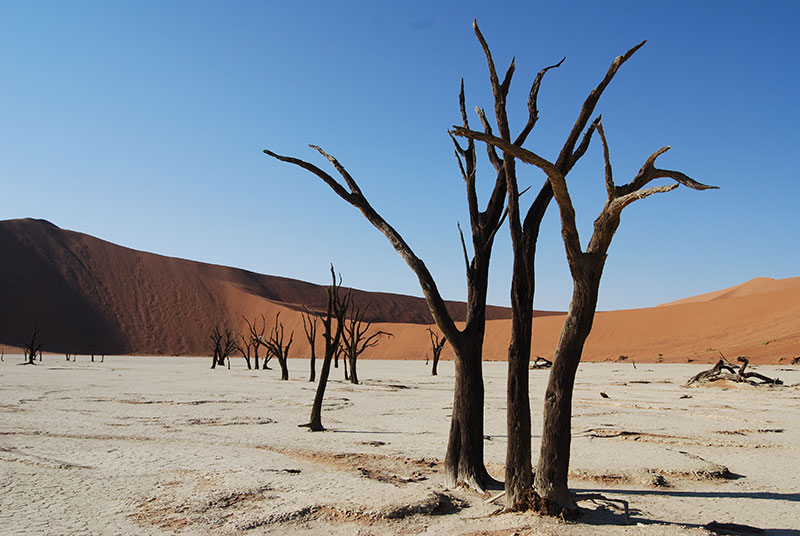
[143, 445]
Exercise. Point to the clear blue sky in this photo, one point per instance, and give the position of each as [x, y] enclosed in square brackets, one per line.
[143, 122]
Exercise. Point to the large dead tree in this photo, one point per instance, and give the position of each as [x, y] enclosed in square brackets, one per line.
[464, 458]
[277, 346]
[586, 268]
[310, 328]
[355, 339]
[437, 345]
[524, 237]
[332, 327]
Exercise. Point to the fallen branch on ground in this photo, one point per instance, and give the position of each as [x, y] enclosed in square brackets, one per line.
[724, 370]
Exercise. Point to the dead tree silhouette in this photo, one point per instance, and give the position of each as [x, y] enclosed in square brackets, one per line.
[332, 327]
[586, 267]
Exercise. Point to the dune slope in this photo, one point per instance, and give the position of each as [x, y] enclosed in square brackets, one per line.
[86, 293]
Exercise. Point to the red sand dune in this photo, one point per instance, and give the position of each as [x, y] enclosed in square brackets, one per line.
[86, 292]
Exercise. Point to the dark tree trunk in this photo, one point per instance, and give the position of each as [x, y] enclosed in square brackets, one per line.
[255, 356]
[282, 361]
[518, 474]
[464, 458]
[434, 369]
[353, 373]
[313, 360]
[551, 472]
[315, 423]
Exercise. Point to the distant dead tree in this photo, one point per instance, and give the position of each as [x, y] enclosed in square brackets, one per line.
[223, 343]
[256, 335]
[796, 360]
[70, 357]
[244, 346]
[332, 327]
[32, 347]
[277, 348]
[355, 340]
[437, 345]
[93, 351]
[310, 327]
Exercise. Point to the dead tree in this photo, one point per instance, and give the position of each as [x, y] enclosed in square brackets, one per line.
[796, 360]
[464, 458]
[332, 327]
[277, 348]
[223, 343]
[524, 236]
[355, 340]
[310, 328]
[244, 346]
[256, 334]
[32, 347]
[586, 267]
[437, 345]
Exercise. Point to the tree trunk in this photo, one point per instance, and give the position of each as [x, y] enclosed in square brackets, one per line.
[255, 356]
[518, 473]
[315, 424]
[550, 482]
[353, 373]
[282, 361]
[434, 371]
[464, 458]
[313, 374]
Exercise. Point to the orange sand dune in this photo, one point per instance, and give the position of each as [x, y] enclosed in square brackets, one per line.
[86, 292]
[759, 285]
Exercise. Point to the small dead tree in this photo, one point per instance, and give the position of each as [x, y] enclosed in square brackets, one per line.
[355, 340]
[437, 345]
[332, 327]
[256, 334]
[310, 328]
[796, 360]
[277, 348]
[223, 343]
[244, 346]
[32, 347]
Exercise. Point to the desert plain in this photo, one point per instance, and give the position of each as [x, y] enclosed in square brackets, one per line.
[164, 445]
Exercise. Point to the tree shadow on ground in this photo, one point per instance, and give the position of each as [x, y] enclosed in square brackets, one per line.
[610, 513]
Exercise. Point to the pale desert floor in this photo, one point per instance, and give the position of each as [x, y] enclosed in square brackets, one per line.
[144, 445]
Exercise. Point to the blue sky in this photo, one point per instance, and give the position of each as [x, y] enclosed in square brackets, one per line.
[143, 122]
